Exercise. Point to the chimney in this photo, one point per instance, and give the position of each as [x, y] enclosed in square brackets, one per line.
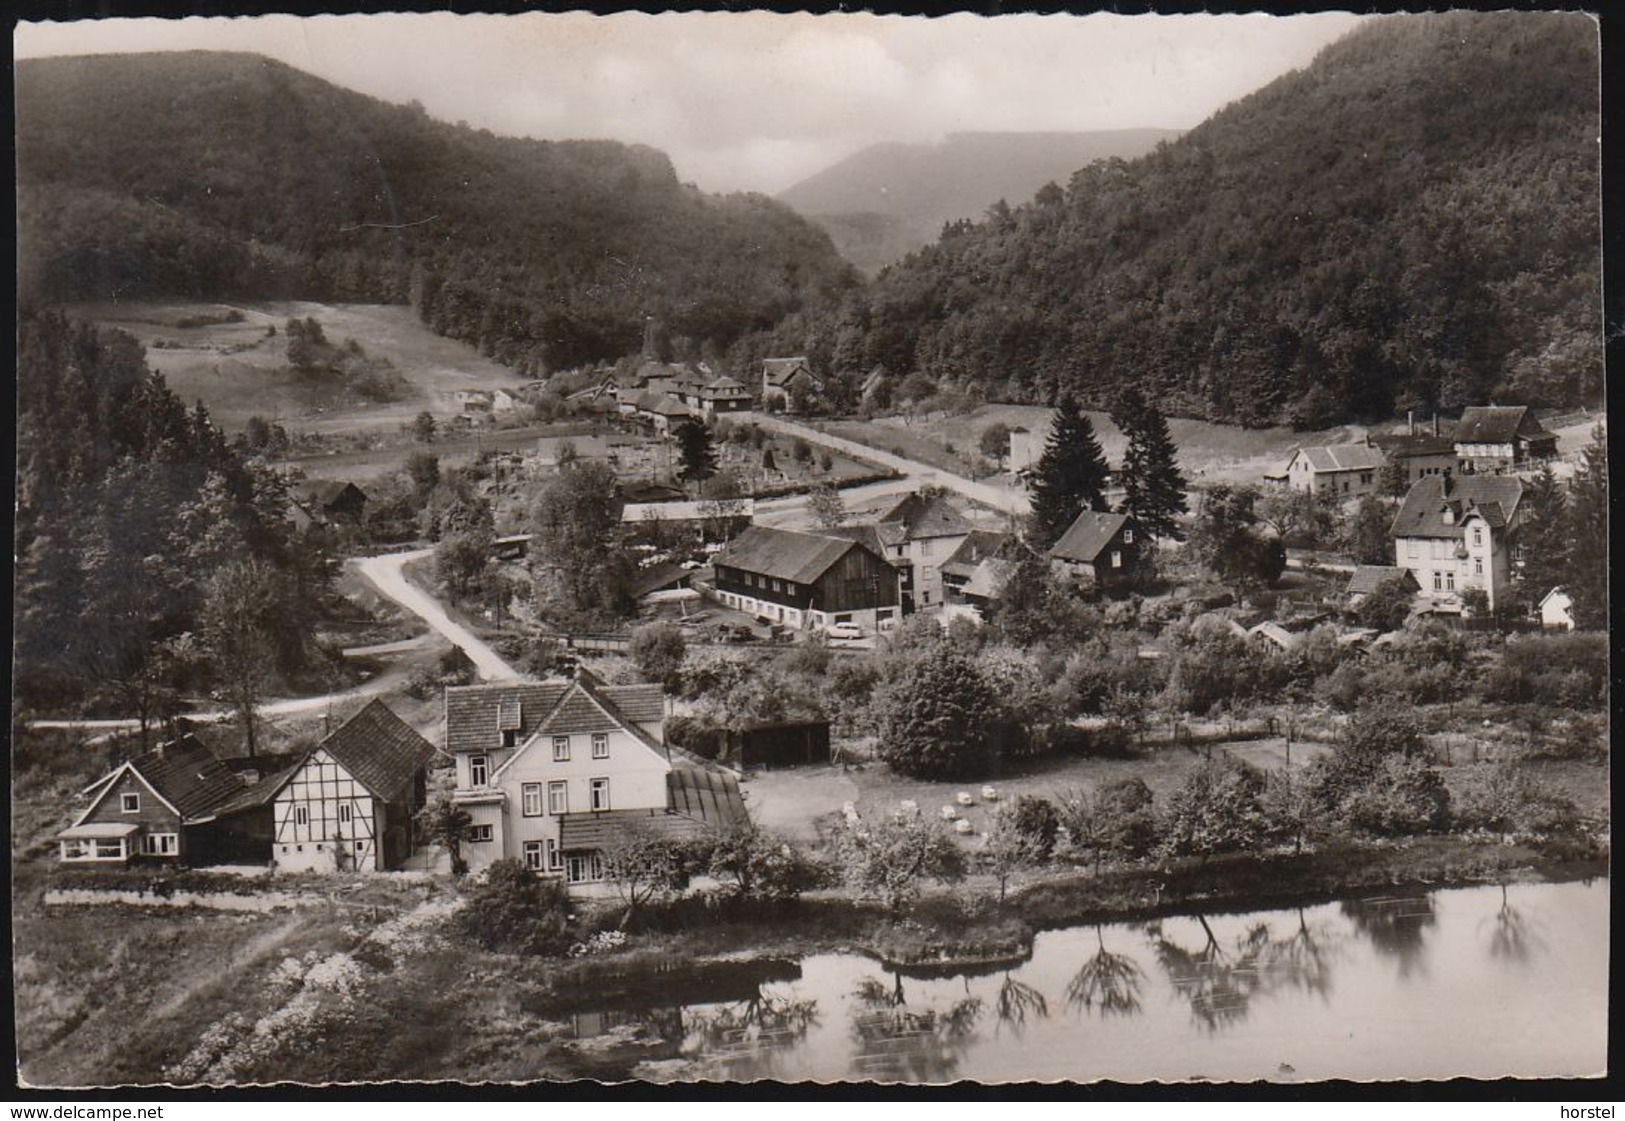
[1444, 484]
[1410, 421]
[1435, 423]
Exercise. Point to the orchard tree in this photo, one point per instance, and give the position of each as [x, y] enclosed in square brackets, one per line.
[759, 865]
[1070, 476]
[825, 505]
[1009, 848]
[423, 427]
[658, 650]
[1218, 809]
[1230, 538]
[1365, 535]
[939, 718]
[1388, 605]
[1153, 485]
[887, 859]
[644, 867]
[995, 442]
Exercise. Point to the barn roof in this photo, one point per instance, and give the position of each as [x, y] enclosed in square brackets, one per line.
[980, 545]
[1497, 424]
[186, 774]
[1368, 577]
[926, 517]
[1343, 457]
[784, 554]
[1088, 534]
[1403, 445]
[380, 750]
[778, 371]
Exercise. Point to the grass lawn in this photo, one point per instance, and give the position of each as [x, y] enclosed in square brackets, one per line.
[229, 366]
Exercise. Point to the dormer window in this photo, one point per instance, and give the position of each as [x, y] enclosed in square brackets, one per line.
[1448, 516]
[510, 715]
[1478, 537]
[510, 737]
[478, 770]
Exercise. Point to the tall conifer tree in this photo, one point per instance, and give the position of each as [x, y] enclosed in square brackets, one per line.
[1153, 485]
[1588, 534]
[1070, 476]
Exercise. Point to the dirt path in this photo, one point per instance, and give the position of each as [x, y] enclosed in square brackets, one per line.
[385, 572]
[248, 955]
[999, 498]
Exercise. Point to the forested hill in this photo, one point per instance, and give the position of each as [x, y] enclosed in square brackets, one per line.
[1411, 220]
[889, 199]
[230, 175]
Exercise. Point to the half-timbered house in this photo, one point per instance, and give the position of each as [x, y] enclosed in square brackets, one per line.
[348, 806]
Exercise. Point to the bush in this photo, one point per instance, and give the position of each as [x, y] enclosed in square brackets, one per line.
[1403, 796]
[1505, 798]
[940, 719]
[1034, 819]
[762, 866]
[887, 859]
[1217, 810]
[512, 910]
[696, 734]
[658, 650]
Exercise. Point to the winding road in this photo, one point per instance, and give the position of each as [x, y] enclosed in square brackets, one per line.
[386, 573]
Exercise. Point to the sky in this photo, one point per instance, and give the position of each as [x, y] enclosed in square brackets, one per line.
[756, 100]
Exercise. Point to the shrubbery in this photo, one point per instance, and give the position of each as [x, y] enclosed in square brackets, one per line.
[513, 910]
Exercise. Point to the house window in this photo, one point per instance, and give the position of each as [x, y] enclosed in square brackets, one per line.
[1128, 536]
[558, 800]
[1478, 566]
[1478, 537]
[1438, 581]
[129, 803]
[1449, 581]
[510, 737]
[600, 745]
[561, 749]
[1117, 559]
[478, 770]
[109, 850]
[301, 815]
[344, 813]
[583, 867]
[481, 834]
[1413, 549]
[555, 862]
[531, 799]
[1365, 478]
[160, 844]
[360, 846]
[533, 855]
[599, 788]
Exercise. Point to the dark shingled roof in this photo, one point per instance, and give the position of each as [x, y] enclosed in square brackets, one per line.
[472, 710]
[380, 750]
[981, 545]
[1402, 445]
[784, 554]
[1368, 577]
[698, 802]
[259, 794]
[926, 517]
[1087, 536]
[327, 491]
[1497, 424]
[188, 776]
[1342, 457]
[1495, 497]
[662, 574]
[780, 370]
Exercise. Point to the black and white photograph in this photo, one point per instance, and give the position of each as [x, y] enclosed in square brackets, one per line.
[837, 549]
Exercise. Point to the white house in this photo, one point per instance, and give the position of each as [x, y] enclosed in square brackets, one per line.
[1344, 470]
[1557, 610]
[555, 772]
[1455, 533]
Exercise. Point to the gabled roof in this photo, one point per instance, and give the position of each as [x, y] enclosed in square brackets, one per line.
[1403, 445]
[872, 536]
[1368, 577]
[1087, 536]
[778, 371]
[664, 574]
[988, 579]
[261, 793]
[183, 773]
[784, 554]
[380, 750]
[586, 706]
[1494, 497]
[726, 387]
[1276, 633]
[1342, 457]
[1497, 424]
[1557, 591]
[926, 517]
[473, 711]
[978, 546]
[327, 491]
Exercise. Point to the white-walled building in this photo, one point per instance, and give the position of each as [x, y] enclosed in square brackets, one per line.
[1455, 533]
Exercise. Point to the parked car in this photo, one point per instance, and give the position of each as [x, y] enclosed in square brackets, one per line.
[845, 630]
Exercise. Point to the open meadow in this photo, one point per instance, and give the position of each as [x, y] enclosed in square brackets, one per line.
[222, 355]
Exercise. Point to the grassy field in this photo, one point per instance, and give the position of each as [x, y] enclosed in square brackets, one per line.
[1208, 452]
[232, 367]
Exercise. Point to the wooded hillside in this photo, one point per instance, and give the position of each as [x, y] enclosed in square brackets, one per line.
[211, 175]
[1410, 222]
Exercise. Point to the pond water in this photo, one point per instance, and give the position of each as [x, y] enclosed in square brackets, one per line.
[1478, 982]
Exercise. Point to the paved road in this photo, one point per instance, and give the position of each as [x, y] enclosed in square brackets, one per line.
[999, 498]
[385, 572]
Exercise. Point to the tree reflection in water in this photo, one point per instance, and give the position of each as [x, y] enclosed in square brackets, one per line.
[1514, 938]
[1218, 984]
[1303, 958]
[1108, 981]
[1016, 1001]
[900, 1044]
[745, 1037]
[1396, 926]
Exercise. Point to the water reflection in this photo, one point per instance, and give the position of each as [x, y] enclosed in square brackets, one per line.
[896, 1043]
[1303, 959]
[744, 1039]
[1514, 936]
[1106, 981]
[1218, 984]
[1017, 1001]
[1396, 925]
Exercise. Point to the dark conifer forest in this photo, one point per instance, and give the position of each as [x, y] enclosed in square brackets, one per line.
[219, 176]
[1409, 222]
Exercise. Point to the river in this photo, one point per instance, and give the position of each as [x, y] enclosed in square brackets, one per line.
[1485, 982]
